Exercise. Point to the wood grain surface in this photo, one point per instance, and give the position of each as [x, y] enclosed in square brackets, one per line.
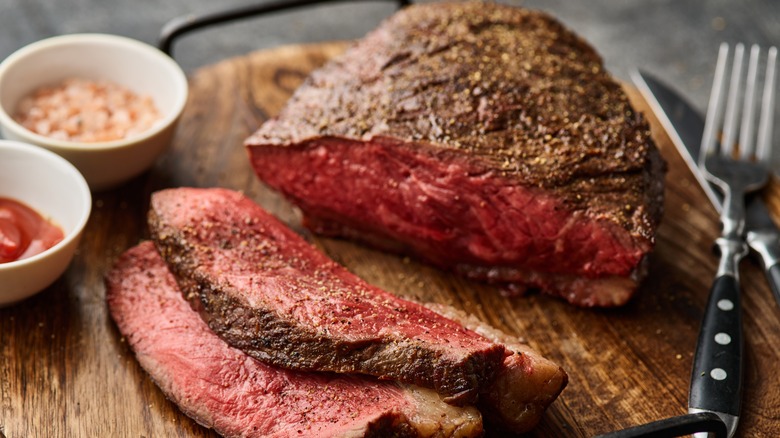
[66, 371]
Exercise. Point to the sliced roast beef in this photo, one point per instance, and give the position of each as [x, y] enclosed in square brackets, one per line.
[268, 292]
[223, 388]
[484, 138]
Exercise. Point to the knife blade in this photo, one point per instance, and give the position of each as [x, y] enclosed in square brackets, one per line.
[685, 126]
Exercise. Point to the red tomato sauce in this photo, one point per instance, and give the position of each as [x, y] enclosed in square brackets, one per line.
[23, 232]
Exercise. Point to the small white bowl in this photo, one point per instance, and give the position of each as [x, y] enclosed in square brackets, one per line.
[137, 66]
[54, 188]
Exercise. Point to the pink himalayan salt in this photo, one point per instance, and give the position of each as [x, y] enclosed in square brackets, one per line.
[86, 111]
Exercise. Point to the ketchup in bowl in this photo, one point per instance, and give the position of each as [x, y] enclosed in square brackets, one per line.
[23, 232]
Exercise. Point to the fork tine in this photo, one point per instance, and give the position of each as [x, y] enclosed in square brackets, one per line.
[732, 104]
[714, 108]
[748, 111]
[767, 109]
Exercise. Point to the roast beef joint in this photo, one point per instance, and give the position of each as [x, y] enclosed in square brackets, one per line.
[483, 138]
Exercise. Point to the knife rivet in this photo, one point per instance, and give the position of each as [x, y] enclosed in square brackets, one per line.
[718, 374]
[725, 305]
[723, 339]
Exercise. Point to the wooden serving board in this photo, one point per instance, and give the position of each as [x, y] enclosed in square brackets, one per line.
[66, 371]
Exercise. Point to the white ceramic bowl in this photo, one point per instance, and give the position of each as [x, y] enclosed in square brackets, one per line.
[135, 65]
[54, 188]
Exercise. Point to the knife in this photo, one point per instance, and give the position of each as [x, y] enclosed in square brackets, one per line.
[685, 126]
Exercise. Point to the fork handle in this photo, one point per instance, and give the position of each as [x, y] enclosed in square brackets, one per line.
[716, 377]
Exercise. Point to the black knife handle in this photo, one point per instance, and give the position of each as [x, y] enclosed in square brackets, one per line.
[674, 427]
[716, 377]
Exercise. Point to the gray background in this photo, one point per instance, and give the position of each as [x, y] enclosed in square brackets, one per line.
[675, 39]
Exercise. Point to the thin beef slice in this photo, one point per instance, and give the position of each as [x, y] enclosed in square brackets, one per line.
[483, 138]
[222, 388]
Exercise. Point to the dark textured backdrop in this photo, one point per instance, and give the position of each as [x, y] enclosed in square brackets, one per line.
[676, 39]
